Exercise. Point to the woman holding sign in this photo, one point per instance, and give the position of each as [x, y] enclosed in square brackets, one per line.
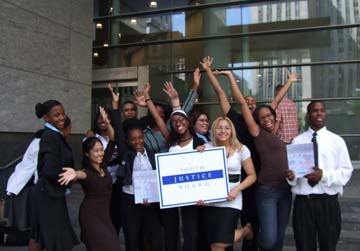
[94, 213]
[181, 138]
[221, 218]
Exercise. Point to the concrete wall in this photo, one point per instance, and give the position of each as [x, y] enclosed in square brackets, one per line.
[45, 53]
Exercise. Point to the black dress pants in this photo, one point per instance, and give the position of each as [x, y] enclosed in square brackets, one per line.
[115, 210]
[137, 219]
[316, 219]
[170, 222]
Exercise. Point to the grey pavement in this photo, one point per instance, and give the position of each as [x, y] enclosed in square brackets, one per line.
[349, 238]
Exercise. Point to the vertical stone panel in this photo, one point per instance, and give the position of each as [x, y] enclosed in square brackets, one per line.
[45, 53]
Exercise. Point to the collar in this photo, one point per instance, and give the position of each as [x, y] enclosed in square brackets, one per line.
[51, 127]
[205, 138]
[320, 131]
[142, 154]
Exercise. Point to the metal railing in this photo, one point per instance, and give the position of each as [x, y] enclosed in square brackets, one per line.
[11, 162]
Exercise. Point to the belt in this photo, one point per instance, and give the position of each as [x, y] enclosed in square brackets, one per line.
[234, 178]
[317, 196]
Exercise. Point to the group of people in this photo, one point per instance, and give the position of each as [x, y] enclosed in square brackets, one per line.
[120, 144]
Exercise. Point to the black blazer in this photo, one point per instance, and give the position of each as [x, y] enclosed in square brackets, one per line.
[126, 155]
[54, 154]
[127, 164]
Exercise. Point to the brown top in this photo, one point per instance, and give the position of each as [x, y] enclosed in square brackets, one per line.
[273, 159]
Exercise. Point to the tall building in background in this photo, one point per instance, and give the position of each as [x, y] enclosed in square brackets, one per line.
[260, 42]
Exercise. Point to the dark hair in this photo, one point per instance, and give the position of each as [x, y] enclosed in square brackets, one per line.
[67, 122]
[129, 102]
[194, 116]
[278, 87]
[312, 103]
[131, 124]
[150, 118]
[257, 110]
[174, 136]
[43, 108]
[87, 145]
[96, 128]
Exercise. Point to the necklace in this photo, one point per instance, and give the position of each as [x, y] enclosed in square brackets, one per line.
[183, 140]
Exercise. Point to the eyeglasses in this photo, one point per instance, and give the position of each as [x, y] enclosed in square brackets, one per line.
[203, 120]
[180, 119]
[266, 116]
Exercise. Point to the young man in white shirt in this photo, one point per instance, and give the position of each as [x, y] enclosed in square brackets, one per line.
[317, 215]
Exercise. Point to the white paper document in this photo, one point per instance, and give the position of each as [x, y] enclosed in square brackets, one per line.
[145, 186]
[187, 177]
[301, 158]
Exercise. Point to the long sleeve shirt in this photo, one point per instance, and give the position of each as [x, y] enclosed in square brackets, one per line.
[334, 161]
[25, 169]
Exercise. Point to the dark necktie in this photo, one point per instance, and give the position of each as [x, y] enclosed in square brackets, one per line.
[316, 158]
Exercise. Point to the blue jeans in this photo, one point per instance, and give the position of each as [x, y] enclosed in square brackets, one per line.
[273, 207]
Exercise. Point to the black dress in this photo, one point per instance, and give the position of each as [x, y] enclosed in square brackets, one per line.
[50, 222]
[97, 230]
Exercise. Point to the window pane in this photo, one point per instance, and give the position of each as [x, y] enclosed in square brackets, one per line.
[343, 118]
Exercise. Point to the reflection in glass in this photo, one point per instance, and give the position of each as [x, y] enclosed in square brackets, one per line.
[278, 49]
[223, 20]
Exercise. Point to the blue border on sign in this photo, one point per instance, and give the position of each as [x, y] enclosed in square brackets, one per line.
[159, 155]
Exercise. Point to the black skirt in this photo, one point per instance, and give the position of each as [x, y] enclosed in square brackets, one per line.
[220, 223]
[17, 209]
[50, 222]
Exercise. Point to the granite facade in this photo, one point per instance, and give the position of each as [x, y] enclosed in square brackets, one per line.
[45, 53]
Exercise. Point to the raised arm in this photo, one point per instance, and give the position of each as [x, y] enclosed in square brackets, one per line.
[193, 93]
[254, 128]
[143, 99]
[115, 97]
[172, 93]
[116, 122]
[110, 129]
[224, 102]
[292, 77]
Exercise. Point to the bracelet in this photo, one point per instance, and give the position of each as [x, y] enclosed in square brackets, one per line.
[148, 99]
[178, 107]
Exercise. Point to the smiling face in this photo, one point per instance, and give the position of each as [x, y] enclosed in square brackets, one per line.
[222, 132]
[266, 119]
[135, 139]
[180, 123]
[316, 115]
[56, 116]
[202, 124]
[96, 154]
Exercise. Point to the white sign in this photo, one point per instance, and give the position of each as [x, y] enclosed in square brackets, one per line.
[184, 178]
[145, 186]
[301, 158]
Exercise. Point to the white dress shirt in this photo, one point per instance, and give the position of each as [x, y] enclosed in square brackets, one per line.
[334, 161]
[141, 163]
[25, 169]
